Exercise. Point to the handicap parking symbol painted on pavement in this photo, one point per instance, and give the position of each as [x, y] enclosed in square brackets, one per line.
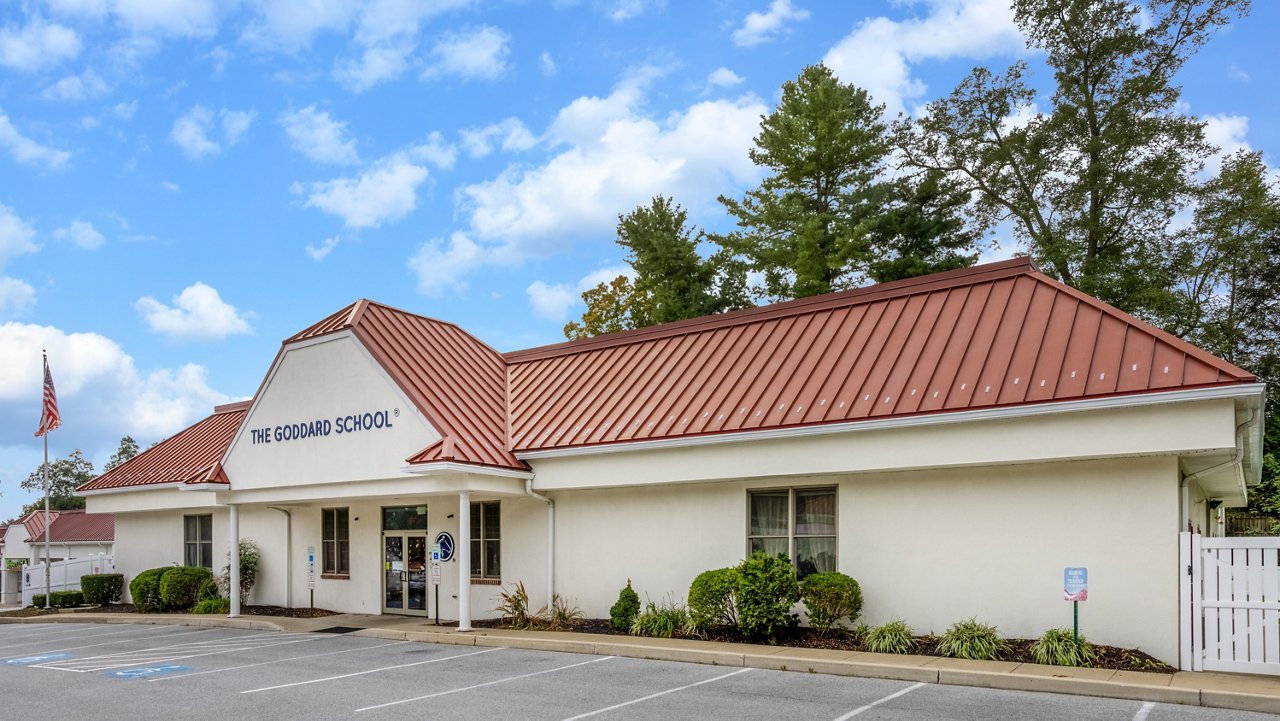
[28, 660]
[147, 671]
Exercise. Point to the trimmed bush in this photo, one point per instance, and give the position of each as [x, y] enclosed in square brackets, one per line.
[663, 620]
[180, 587]
[102, 588]
[212, 605]
[893, 637]
[829, 598]
[767, 590]
[145, 590]
[37, 601]
[970, 639]
[712, 599]
[66, 599]
[1057, 648]
[623, 613]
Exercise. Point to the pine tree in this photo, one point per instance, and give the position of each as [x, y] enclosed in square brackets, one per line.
[921, 229]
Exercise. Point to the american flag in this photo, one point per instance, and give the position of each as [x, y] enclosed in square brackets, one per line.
[49, 418]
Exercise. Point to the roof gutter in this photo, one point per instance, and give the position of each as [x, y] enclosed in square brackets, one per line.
[446, 466]
[1233, 391]
[124, 489]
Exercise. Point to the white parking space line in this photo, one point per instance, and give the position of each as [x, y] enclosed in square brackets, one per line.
[54, 638]
[175, 652]
[279, 660]
[873, 704]
[482, 685]
[1144, 711]
[656, 695]
[148, 637]
[374, 670]
[45, 630]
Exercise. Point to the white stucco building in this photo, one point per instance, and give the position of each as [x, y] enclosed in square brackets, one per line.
[72, 535]
[951, 441]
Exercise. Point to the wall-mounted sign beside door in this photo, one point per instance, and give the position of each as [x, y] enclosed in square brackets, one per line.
[445, 541]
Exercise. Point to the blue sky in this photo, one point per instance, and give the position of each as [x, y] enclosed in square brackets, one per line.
[184, 183]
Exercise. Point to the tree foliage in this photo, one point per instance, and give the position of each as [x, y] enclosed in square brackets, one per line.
[127, 450]
[804, 227]
[921, 228]
[65, 475]
[1091, 184]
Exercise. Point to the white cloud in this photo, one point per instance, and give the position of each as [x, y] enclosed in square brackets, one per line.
[198, 313]
[319, 253]
[476, 54]
[552, 302]
[16, 297]
[386, 191]
[879, 53]
[434, 151]
[319, 137]
[37, 45]
[17, 237]
[1227, 132]
[171, 186]
[83, 234]
[510, 134]
[378, 63]
[101, 392]
[27, 151]
[194, 132]
[182, 18]
[763, 27]
[724, 77]
[622, 10]
[125, 111]
[547, 64]
[77, 87]
[441, 266]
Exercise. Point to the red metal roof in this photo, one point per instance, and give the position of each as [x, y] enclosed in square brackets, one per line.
[72, 526]
[994, 335]
[455, 380]
[34, 522]
[192, 454]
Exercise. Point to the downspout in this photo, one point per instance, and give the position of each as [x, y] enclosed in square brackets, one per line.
[551, 541]
[1235, 459]
[288, 555]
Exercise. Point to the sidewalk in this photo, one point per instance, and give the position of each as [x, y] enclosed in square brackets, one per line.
[1219, 690]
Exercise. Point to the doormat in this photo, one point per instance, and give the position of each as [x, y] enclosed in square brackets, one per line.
[338, 629]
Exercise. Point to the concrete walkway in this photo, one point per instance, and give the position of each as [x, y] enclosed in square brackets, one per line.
[1219, 690]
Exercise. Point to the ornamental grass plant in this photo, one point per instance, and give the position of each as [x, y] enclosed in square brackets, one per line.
[1057, 648]
[973, 640]
[893, 637]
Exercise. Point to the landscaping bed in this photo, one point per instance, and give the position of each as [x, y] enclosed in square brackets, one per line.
[1018, 651]
[28, 611]
[277, 611]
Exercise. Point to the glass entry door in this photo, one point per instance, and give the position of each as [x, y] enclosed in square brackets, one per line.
[405, 573]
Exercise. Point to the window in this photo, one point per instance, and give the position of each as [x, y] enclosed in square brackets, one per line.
[799, 523]
[197, 541]
[485, 555]
[335, 542]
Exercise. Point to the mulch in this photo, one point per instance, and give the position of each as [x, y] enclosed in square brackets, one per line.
[1019, 650]
[278, 611]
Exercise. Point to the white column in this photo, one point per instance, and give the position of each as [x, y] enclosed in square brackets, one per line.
[234, 589]
[464, 561]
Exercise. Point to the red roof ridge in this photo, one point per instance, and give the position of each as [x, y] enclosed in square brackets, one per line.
[854, 296]
[233, 407]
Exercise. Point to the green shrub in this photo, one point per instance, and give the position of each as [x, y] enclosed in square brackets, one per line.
[66, 599]
[712, 601]
[212, 605]
[210, 590]
[180, 587]
[624, 612]
[102, 588]
[37, 601]
[767, 590]
[514, 606]
[970, 639]
[830, 597]
[1057, 648]
[893, 637]
[663, 620]
[144, 589]
[250, 560]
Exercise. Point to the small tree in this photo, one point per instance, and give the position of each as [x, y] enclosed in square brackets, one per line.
[250, 559]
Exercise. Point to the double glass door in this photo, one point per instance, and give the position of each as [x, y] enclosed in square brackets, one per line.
[405, 568]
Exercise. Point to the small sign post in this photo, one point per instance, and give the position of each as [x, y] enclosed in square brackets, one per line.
[435, 576]
[311, 574]
[1075, 588]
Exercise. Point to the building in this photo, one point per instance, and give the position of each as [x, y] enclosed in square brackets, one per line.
[952, 441]
[72, 535]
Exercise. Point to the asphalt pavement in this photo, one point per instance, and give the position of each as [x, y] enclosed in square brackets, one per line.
[95, 671]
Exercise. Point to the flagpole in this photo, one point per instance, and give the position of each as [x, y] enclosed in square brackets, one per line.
[45, 475]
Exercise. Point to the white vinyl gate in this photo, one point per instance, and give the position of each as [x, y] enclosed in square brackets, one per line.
[1230, 603]
[63, 575]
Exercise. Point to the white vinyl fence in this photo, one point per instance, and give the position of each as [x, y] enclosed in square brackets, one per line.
[1230, 603]
[64, 575]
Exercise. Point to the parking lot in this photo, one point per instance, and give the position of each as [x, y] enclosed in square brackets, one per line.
[75, 671]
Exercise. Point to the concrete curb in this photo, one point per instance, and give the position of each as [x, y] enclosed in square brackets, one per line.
[1004, 675]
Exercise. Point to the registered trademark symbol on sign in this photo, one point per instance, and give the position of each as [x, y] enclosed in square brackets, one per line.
[396, 413]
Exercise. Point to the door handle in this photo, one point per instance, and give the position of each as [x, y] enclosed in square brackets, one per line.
[404, 576]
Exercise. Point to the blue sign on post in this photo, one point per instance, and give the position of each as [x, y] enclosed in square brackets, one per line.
[1075, 584]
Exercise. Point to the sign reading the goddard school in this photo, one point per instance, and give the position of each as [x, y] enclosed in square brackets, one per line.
[323, 427]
